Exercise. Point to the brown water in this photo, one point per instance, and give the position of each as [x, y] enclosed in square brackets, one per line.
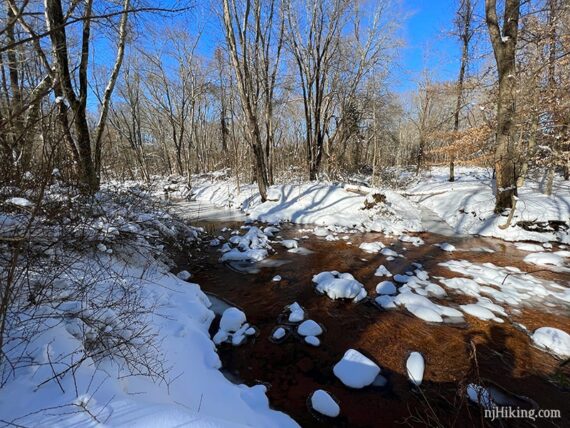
[495, 355]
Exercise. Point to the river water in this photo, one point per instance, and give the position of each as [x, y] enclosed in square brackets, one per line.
[499, 356]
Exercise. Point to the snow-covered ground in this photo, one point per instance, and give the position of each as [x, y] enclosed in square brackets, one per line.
[322, 204]
[120, 341]
[467, 204]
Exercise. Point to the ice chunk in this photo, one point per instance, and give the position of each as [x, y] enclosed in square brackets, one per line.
[386, 287]
[309, 328]
[322, 402]
[276, 278]
[339, 286]
[355, 370]
[553, 339]
[415, 367]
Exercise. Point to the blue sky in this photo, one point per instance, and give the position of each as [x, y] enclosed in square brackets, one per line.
[428, 44]
[425, 32]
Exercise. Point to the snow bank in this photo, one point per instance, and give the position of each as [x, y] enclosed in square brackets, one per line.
[197, 394]
[467, 204]
[315, 203]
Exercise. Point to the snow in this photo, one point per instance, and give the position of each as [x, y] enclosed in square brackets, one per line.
[389, 252]
[415, 367]
[386, 302]
[253, 246]
[504, 285]
[478, 311]
[232, 320]
[356, 370]
[386, 287]
[320, 204]
[20, 202]
[184, 275]
[191, 394]
[553, 340]
[322, 402]
[312, 340]
[309, 328]
[372, 247]
[415, 240]
[525, 246]
[279, 333]
[547, 259]
[446, 247]
[289, 243]
[467, 204]
[382, 271]
[297, 314]
[339, 286]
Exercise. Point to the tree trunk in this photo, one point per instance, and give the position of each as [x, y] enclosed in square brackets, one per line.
[504, 48]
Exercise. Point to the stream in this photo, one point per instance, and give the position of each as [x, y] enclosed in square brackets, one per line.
[499, 356]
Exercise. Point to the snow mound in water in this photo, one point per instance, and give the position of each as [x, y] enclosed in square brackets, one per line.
[355, 370]
[415, 240]
[296, 314]
[554, 340]
[233, 328]
[385, 302]
[372, 247]
[339, 286]
[232, 319]
[309, 328]
[415, 367]
[478, 311]
[386, 287]
[508, 285]
[322, 402]
[446, 247]
[289, 243]
[253, 246]
[382, 271]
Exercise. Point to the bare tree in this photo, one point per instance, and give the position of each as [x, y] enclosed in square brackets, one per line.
[255, 59]
[464, 18]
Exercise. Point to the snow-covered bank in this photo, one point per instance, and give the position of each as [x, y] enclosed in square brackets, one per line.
[322, 204]
[467, 205]
[114, 338]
